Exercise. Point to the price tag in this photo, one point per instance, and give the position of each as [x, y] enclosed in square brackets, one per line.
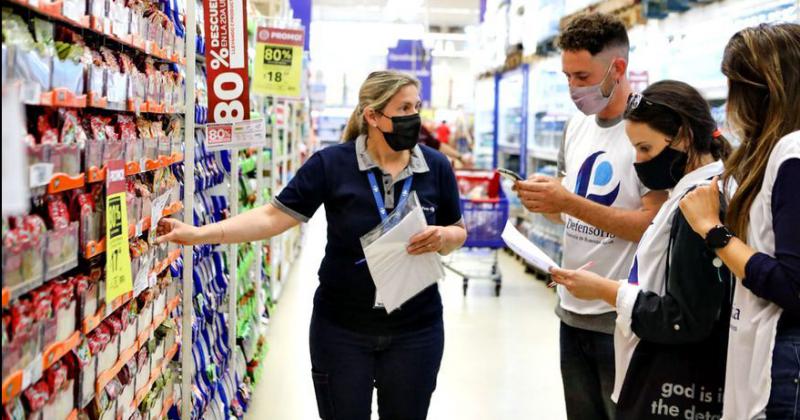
[33, 372]
[279, 62]
[40, 174]
[118, 258]
[226, 55]
[142, 281]
[158, 208]
[250, 133]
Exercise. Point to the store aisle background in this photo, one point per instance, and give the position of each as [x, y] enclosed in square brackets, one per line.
[501, 357]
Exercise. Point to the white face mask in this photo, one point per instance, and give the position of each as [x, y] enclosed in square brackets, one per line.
[590, 99]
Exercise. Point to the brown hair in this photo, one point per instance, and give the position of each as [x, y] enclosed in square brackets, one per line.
[376, 92]
[761, 64]
[680, 112]
[594, 32]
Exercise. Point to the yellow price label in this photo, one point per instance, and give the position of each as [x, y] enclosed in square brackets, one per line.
[278, 66]
[119, 279]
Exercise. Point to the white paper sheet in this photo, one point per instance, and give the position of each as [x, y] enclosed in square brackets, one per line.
[526, 249]
[399, 276]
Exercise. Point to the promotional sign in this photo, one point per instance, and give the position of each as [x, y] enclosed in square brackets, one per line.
[118, 258]
[279, 62]
[250, 133]
[226, 58]
[411, 57]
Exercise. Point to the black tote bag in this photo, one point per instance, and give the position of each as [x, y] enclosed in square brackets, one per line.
[683, 381]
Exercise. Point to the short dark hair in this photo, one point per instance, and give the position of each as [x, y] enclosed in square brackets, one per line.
[594, 32]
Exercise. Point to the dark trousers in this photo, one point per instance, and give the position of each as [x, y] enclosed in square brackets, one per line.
[784, 398]
[346, 366]
[587, 371]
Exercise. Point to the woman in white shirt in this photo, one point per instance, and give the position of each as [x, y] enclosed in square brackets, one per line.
[761, 243]
[673, 310]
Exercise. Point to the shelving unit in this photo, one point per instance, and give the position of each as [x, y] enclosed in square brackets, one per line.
[212, 302]
[484, 151]
[83, 115]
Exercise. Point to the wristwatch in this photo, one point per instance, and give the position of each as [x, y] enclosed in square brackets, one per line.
[718, 237]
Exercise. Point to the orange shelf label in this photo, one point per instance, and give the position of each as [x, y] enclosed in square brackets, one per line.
[96, 100]
[93, 321]
[132, 168]
[94, 248]
[12, 386]
[152, 165]
[96, 174]
[56, 351]
[6, 297]
[61, 182]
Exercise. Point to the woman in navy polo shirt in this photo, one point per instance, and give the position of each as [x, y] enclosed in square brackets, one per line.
[354, 346]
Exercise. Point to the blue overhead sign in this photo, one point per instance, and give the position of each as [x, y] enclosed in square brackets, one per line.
[410, 56]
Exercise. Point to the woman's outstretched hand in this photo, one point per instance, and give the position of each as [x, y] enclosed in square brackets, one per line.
[173, 230]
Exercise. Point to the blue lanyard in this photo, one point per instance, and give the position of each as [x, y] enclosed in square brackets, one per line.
[376, 192]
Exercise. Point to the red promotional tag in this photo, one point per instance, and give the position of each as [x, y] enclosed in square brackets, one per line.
[226, 58]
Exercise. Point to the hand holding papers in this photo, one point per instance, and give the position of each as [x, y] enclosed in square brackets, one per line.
[399, 276]
[526, 249]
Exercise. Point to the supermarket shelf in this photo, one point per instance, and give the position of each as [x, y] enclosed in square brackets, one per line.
[14, 383]
[95, 248]
[104, 378]
[96, 25]
[142, 392]
[95, 174]
[67, 99]
[61, 182]
[95, 320]
[511, 149]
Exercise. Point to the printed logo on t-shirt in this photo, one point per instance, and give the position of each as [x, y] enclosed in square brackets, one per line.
[633, 277]
[595, 179]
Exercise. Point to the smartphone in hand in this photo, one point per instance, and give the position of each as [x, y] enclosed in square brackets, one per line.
[509, 174]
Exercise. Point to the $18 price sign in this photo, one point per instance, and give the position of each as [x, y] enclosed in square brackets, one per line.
[278, 66]
[226, 58]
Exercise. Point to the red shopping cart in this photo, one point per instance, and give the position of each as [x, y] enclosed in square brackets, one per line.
[484, 207]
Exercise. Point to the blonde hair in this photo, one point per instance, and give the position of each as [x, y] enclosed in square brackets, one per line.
[761, 64]
[376, 92]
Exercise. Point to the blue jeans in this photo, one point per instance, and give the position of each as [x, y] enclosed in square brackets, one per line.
[587, 371]
[346, 366]
[784, 399]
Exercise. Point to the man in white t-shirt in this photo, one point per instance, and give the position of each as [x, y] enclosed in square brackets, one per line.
[600, 200]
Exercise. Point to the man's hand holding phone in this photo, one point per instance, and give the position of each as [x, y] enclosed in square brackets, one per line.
[543, 194]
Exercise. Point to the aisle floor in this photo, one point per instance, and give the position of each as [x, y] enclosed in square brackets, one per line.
[501, 354]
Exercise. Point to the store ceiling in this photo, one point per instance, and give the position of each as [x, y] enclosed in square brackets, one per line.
[444, 14]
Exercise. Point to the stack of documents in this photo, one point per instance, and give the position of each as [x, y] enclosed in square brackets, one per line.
[399, 276]
[527, 249]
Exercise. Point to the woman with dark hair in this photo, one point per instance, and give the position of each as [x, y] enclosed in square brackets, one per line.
[673, 309]
[760, 241]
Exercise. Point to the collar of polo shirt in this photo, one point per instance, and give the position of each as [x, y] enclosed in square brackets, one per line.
[365, 162]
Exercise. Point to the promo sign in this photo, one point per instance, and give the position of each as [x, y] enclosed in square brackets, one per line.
[118, 259]
[226, 58]
[279, 62]
[250, 133]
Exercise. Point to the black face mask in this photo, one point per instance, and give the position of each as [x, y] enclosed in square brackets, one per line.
[663, 171]
[405, 132]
